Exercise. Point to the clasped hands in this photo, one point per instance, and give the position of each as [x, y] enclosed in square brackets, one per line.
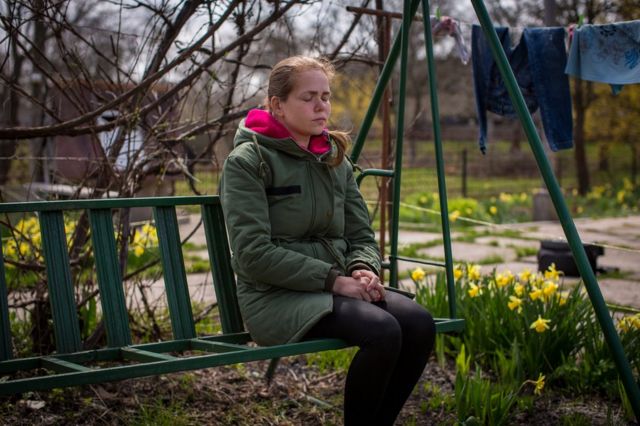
[362, 284]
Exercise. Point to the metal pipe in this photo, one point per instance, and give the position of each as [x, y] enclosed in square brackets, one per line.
[407, 14]
[437, 141]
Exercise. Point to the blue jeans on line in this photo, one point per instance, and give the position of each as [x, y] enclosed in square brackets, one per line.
[538, 63]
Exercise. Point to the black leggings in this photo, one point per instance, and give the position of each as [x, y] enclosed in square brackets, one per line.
[395, 339]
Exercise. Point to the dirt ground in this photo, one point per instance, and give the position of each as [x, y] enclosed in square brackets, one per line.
[238, 395]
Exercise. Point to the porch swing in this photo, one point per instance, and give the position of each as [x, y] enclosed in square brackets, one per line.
[70, 365]
[452, 323]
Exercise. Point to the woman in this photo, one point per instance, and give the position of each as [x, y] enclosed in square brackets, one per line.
[304, 252]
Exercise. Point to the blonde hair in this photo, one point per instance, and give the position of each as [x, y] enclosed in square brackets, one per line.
[282, 81]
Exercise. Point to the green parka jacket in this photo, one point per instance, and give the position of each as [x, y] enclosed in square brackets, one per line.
[292, 219]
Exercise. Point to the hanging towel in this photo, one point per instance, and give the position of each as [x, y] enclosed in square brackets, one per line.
[606, 53]
[446, 25]
[538, 63]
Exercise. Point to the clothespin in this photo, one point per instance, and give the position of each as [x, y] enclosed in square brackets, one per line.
[580, 20]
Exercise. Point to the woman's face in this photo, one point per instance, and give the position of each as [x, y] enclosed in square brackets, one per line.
[306, 110]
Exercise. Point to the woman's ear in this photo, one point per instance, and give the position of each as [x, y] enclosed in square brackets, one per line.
[275, 106]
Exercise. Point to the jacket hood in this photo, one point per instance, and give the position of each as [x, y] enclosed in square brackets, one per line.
[271, 133]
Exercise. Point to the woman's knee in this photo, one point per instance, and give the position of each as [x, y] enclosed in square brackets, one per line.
[418, 326]
[384, 331]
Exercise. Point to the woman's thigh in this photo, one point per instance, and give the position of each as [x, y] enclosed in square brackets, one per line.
[356, 322]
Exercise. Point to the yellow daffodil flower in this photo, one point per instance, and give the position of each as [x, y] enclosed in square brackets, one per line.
[540, 325]
[536, 293]
[418, 274]
[473, 272]
[475, 290]
[493, 210]
[515, 303]
[539, 385]
[518, 290]
[551, 273]
[549, 288]
[454, 215]
[505, 198]
[562, 298]
[524, 276]
[138, 250]
[504, 279]
[457, 272]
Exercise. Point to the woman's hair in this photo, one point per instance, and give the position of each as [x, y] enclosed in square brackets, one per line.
[282, 80]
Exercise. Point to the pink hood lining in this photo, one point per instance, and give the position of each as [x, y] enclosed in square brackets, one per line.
[262, 122]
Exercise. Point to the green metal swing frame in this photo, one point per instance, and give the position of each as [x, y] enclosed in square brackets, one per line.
[400, 48]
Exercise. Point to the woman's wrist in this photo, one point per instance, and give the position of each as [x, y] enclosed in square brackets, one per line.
[330, 281]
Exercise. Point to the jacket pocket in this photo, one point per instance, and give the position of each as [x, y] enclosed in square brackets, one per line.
[283, 190]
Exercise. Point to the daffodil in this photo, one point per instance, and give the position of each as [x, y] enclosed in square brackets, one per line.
[505, 198]
[457, 272]
[454, 215]
[549, 288]
[473, 272]
[515, 303]
[418, 274]
[518, 289]
[540, 325]
[551, 273]
[536, 293]
[525, 275]
[504, 279]
[475, 290]
[138, 250]
[493, 210]
[539, 385]
[562, 298]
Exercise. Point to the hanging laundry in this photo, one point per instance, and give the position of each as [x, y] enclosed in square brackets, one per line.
[446, 25]
[606, 53]
[538, 62]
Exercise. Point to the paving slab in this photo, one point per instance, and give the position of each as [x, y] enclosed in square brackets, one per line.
[470, 252]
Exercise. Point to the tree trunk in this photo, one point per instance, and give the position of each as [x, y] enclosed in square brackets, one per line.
[580, 107]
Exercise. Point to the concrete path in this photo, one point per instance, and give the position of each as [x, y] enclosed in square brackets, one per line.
[619, 236]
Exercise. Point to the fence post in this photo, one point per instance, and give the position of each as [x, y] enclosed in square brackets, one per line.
[464, 173]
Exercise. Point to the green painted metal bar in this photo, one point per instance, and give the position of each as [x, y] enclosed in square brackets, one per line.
[133, 354]
[19, 364]
[114, 309]
[374, 172]
[217, 347]
[5, 326]
[169, 366]
[107, 203]
[223, 278]
[175, 277]
[602, 313]
[447, 325]
[421, 261]
[62, 366]
[407, 17]
[237, 338]
[437, 141]
[378, 92]
[66, 325]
